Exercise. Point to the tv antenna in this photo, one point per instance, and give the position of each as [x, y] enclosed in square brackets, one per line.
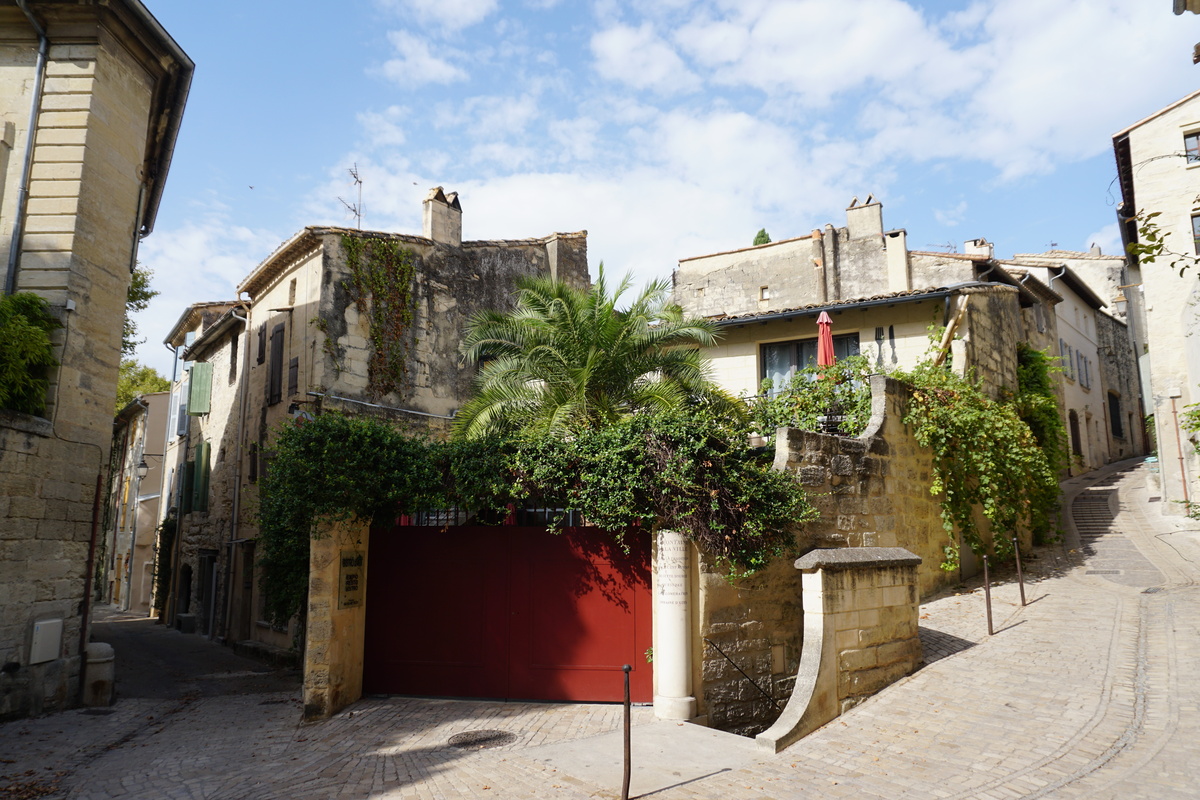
[356, 208]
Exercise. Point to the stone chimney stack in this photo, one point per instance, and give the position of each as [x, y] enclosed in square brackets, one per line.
[979, 247]
[866, 219]
[443, 217]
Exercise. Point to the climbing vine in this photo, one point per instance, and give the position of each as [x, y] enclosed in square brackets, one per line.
[818, 398]
[688, 470]
[986, 460]
[381, 285]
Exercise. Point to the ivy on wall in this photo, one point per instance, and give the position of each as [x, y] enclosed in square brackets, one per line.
[685, 470]
[381, 285]
[997, 459]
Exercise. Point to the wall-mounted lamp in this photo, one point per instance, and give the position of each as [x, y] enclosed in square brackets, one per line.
[295, 410]
[143, 468]
[1120, 303]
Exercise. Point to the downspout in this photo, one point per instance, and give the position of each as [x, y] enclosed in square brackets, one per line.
[18, 231]
[237, 477]
[1053, 278]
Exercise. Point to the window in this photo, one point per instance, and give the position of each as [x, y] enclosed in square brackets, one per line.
[275, 382]
[293, 376]
[292, 293]
[764, 293]
[782, 360]
[1191, 146]
[1196, 233]
[200, 390]
[262, 343]
[200, 475]
[252, 457]
[1114, 415]
[1067, 359]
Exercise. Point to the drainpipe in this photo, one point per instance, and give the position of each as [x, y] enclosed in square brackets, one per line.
[1053, 278]
[18, 231]
[237, 477]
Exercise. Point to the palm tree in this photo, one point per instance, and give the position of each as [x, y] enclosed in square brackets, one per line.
[566, 360]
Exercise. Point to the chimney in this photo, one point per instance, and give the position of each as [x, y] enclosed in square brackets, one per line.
[866, 219]
[443, 217]
[979, 247]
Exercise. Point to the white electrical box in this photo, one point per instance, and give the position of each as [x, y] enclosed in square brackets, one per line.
[47, 641]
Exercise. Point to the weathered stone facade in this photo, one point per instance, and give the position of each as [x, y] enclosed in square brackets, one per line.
[306, 347]
[109, 106]
[871, 491]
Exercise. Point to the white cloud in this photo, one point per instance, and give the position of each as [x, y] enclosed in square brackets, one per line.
[951, 217]
[1108, 239]
[416, 65]
[383, 128]
[639, 58]
[449, 14]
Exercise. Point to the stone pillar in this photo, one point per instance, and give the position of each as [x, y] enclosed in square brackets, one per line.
[860, 634]
[673, 698]
[334, 636]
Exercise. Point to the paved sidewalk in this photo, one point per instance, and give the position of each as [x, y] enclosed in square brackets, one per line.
[1091, 690]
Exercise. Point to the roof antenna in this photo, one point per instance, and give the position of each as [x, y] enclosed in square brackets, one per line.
[355, 209]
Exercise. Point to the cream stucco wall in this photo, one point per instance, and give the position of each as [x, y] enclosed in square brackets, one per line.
[1165, 182]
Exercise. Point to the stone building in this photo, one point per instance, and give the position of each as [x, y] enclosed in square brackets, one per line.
[302, 342]
[125, 564]
[1158, 169]
[882, 298]
[90, 104]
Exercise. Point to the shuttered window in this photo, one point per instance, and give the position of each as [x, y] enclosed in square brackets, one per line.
[275, 381]
[262, 343]
[188, 493]
[293, 376]
[200, 476]
[200, 389]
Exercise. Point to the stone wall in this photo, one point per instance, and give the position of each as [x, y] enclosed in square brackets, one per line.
[872, 491]
[91, 138]
[861, 635]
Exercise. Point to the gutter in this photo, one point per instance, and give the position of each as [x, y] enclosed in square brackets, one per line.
[18, 230]
[168, 137]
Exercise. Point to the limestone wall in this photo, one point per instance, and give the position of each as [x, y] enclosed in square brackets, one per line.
[77, 251]
[872, 491]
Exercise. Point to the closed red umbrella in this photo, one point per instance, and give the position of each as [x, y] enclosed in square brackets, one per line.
[825, 341]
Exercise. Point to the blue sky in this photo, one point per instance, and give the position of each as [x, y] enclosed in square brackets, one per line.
[666, 129]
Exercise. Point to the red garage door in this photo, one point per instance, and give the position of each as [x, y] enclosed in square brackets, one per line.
[507, 612]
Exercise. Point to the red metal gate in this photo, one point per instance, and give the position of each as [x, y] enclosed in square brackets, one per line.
[507, 612]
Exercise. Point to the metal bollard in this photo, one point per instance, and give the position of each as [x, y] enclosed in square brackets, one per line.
[987, 595]
[1020, 577]
[625, 777]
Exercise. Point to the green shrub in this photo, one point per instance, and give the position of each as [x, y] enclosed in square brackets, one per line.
[26, 353]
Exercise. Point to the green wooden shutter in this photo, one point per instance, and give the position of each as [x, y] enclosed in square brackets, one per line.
[200, 477]
[200, 393]
[188, 489]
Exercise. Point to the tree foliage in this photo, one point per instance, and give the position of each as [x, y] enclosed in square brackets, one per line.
[136, 299]
[26, 352]
[1151, 246]
[567, 360]
[135, 379]
[762, 237]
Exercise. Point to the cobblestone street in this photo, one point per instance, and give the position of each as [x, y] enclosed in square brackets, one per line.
[1091, 690]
